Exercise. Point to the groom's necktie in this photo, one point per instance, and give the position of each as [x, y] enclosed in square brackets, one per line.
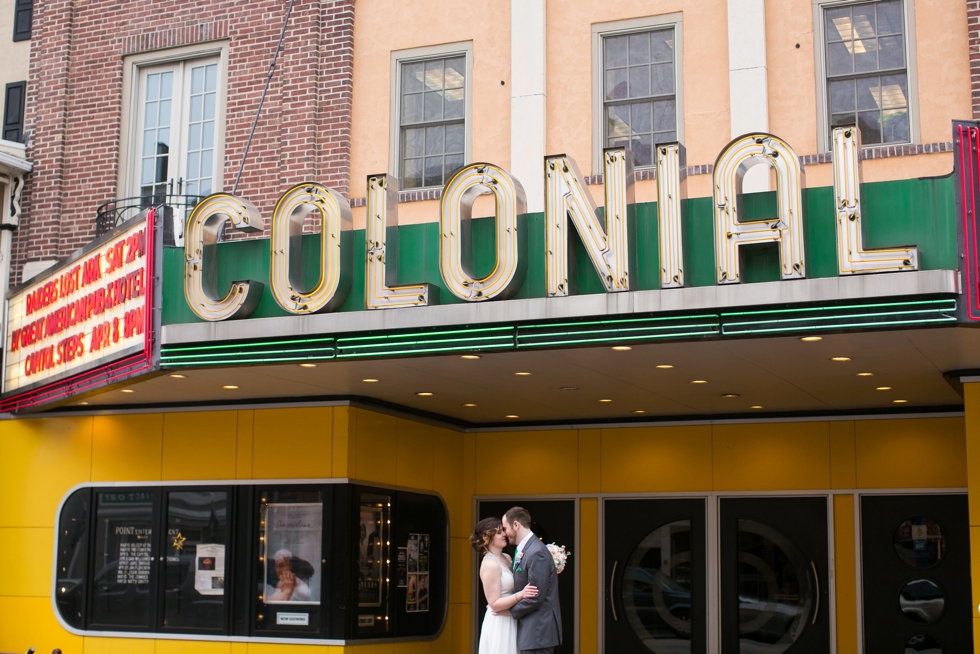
[513, 566]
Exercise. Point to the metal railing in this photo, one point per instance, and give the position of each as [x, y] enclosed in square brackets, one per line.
[116, 212]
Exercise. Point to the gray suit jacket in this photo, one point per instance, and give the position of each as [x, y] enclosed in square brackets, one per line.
[538, 618]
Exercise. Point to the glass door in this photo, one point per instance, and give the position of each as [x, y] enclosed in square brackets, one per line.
[655, 576]
[774, 575]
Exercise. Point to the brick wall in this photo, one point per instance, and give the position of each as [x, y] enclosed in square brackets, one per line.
[74, 116]
[973, 25]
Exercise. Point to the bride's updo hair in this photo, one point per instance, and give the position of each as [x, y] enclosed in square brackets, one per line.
[483, 534]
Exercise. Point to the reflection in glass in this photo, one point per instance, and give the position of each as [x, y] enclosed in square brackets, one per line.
[73, 538]
[123, 559]
[923, 644]
[919, 542]
[656, 589]
[776, 593]
[194, 574]
[922, 601]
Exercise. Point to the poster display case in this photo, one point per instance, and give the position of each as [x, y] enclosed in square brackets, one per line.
[313, 561]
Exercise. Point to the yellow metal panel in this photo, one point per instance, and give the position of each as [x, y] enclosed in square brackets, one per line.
[462, 627]
[271, 648]
[26, 549]
[843, 466]
[39, 461]
[972, 427]
[414, 451]
[292, 443]
[341, 441]
[589, 460]
[588, 560]
[527, 462]
[191, 647]
[200, 445]
[461, 570]
[846, 575]
[447, 479]
[420, 647]
[975, 570]
[376, 447]
[243, 451]
[94, 645]
[912, 453]
[128, 447]
[772, 456]
[27, 622]
[444, 643]
[649, 459]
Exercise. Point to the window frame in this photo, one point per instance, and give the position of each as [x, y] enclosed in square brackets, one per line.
[603, 30]
[820, 71]
[127, 178]
[413, 55]
[21, 109]
[21, 6]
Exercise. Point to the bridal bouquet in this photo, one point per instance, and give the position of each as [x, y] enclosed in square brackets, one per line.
[559, 556]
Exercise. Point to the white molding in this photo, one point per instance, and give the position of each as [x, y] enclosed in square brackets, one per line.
[748, 97]
[528, 98]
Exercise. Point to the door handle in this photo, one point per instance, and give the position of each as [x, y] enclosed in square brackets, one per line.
[612, 596]
[816, 578]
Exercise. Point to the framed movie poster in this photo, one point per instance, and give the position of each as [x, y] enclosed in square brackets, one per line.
[293, 539]
[370, 557]
[402, 567]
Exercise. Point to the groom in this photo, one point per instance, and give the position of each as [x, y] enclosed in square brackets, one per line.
[538, 617]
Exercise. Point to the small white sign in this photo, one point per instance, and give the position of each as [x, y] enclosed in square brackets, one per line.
[302, 619]
[365, 620]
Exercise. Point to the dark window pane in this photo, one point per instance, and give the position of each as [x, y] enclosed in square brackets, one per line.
[433, 171]
[23, 17]
[412, 176]
[455, 72]
[73, 535]
[639, 48]
[411, 108]
[842, 96]
[639, 81]
[895, 125]
[642, 147]
[839, 24]
[641, 114]
[664, 116]
[453, 163]
[662, 76]
[839, 60]
[865, 55]
[616, 51]
[433, 106]
[662, 46]
[891, 52]
[889, 17]
[868, 93]
[616, 84]
[894, 93]
[454, 103]
[454, 138]
[123, 559]
[617, 121]
[196, 559]
[870, 127]
[864, 22]
[842, 120]
[414, 142]
[434, 74]
[664, 137]
[435, 139]
[412, 78]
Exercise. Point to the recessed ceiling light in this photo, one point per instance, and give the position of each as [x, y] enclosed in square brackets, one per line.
[621, 348]
[699, 381]
[811, 339]
[230, 387]
[424, 394]
[604, 400]
[307, 365]
[469, 404]
[522, 374]
[568, 388]
[471, 357]
[179, 376]
[83, 403]
[665, 366]
[757, 406]
[899, 401]
[511, 415]
[369, 380]
[731, 395]
[840, 359]
[883, 388]
[866, 374]
[128, 390]
[639, 411]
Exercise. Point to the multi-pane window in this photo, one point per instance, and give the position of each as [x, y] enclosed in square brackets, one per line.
[867, 74]
[639, 91]
[432, 120]
[177, 122]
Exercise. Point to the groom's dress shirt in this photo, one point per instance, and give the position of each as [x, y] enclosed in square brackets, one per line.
[520, 546]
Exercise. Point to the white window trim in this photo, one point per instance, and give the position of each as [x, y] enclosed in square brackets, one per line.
[613, 28]
[400, 57]
[126, 185]
[820, 70]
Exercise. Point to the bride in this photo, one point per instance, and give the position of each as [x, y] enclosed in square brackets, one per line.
[499, 635]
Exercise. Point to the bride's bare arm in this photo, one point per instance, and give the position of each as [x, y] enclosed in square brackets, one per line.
[490, 575]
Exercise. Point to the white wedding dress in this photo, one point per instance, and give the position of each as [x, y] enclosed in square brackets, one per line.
[499, 635]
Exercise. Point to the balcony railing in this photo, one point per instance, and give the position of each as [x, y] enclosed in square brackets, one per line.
[116, 212]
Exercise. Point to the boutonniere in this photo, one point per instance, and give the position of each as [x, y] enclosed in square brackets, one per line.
[517, 560]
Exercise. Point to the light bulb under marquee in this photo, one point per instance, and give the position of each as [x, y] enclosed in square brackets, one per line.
[731, 232]
[621, 348]
[811, 339]
[665, 366]
[607, 240]
[179, 376]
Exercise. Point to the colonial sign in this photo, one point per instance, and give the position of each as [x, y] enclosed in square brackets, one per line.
[607, 234]
[91, 310]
